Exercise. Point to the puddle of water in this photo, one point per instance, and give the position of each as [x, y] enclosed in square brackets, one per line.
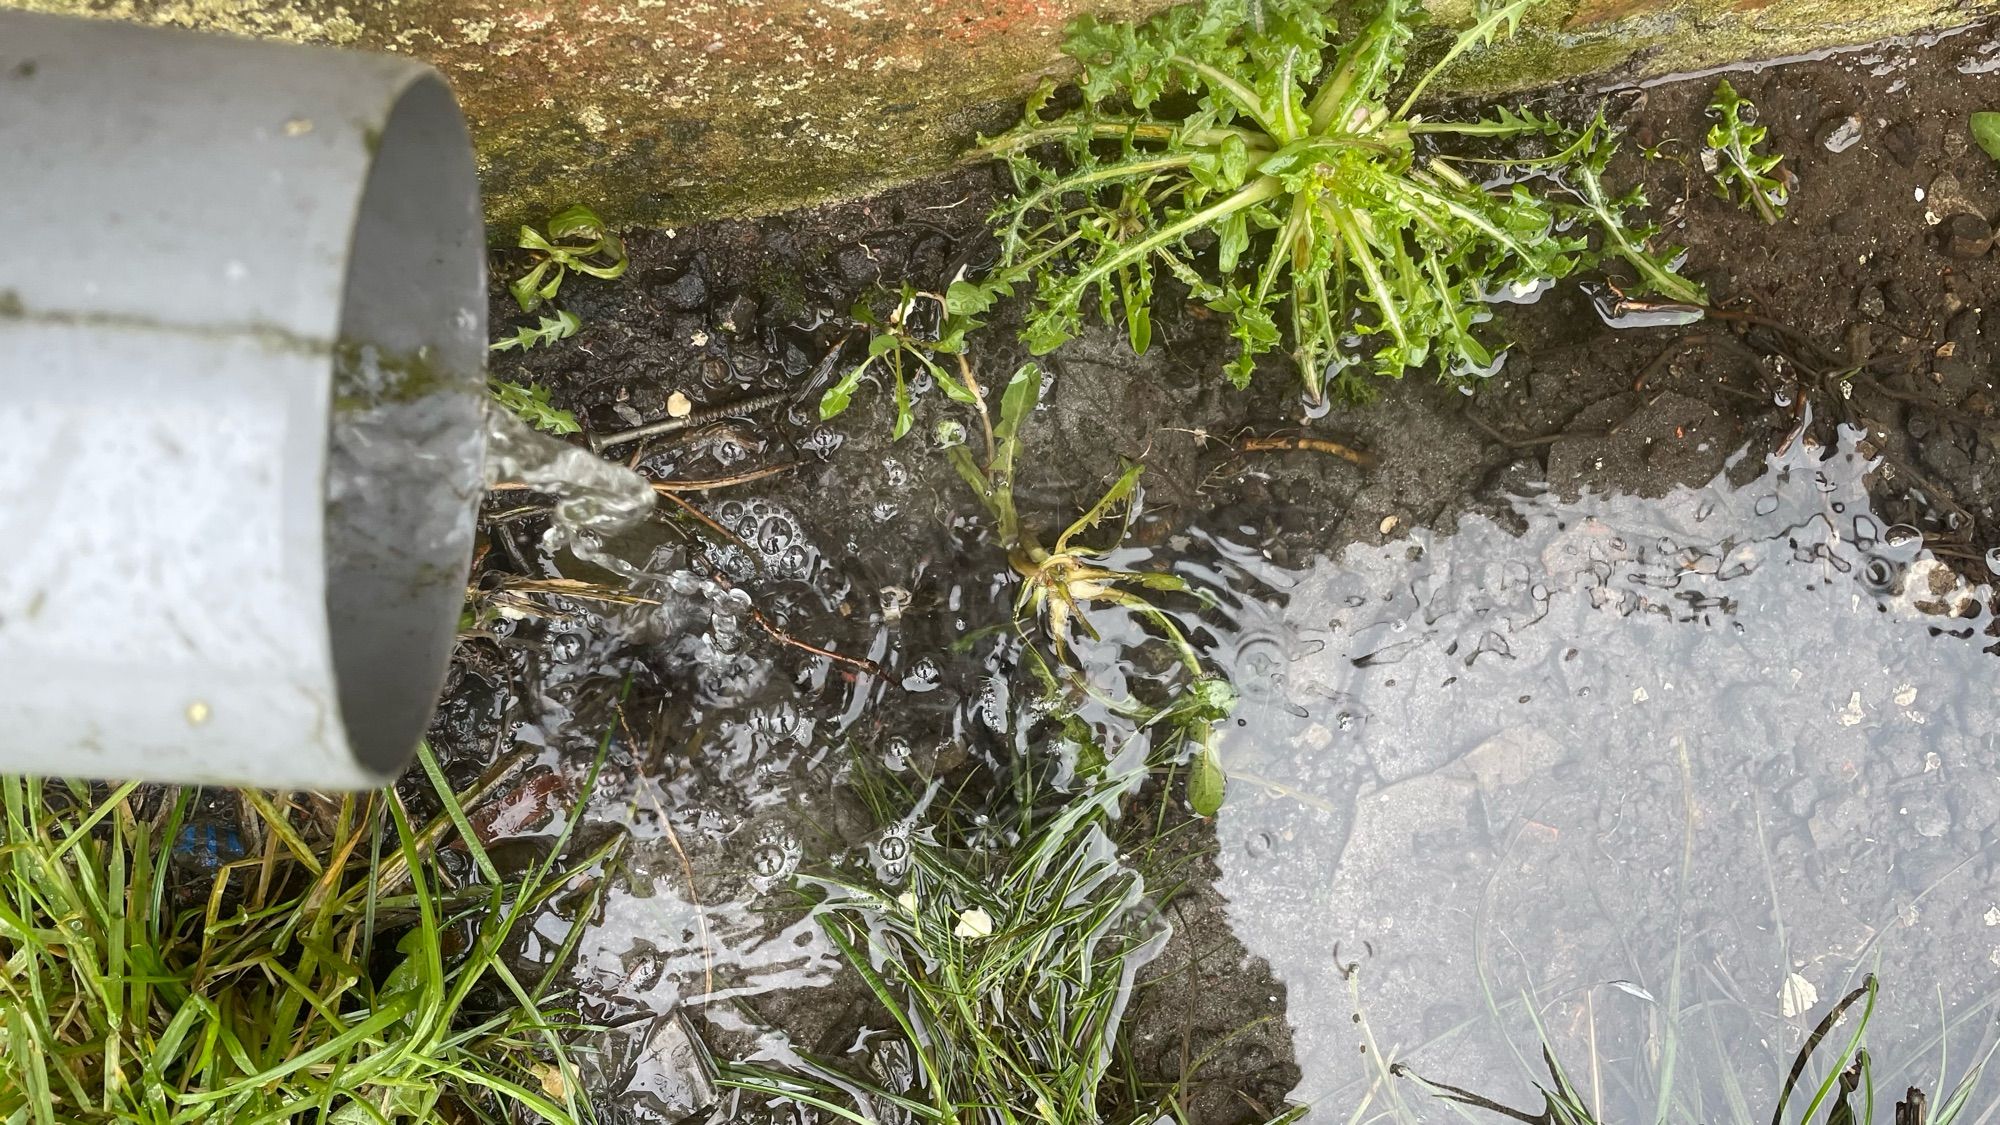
[1671, 768]
[1653, 763]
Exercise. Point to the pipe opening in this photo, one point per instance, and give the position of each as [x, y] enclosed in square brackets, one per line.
[407, 431]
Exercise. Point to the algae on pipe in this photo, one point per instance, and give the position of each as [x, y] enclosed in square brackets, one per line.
[244, 383]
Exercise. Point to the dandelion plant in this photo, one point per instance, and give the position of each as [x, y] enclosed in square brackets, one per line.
[1742, 174]
[1296, 191]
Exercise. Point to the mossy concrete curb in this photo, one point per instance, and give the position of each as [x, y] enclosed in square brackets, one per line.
[666, 111]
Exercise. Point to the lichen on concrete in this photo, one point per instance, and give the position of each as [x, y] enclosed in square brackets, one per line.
[663, 111]
[1630, 40]
[657, 112]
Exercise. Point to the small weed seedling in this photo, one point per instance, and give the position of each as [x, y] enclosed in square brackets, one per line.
[1325, 198]
[1986, 132]
[1059, 581]
[1742, 174]
[902, 348]
[576, 240]
[531, 405]
[561, 326]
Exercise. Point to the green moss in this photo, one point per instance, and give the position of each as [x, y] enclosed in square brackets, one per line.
[662, 113]
[1636, 39]
[365, 378]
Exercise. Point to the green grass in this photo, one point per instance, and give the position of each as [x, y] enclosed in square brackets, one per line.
[1831, 1081]
[336, 975]
[1004, 969]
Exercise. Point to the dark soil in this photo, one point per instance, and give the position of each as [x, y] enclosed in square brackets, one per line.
[1869, 303]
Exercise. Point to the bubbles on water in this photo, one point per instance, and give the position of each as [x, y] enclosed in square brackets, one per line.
[1259, 844]
[923, 676]
[1878, 575]
[564, 648]
[728, 450]
[894, 474]
[890, 854]
[1766, 504]
[1993, 560]
[992, 706]
[896, 755]
[733, 561]
[822, 441]
[775, 855]
[1902, 542]
[883, 512]
[895, 601]
[776, 534]
[772, 542]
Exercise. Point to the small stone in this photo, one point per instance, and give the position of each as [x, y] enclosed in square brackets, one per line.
[856, 264]
[1965, 236]
[1871, 303]
[1899, 297]
[1853, 714]
[1929, 818]
[1948, 196]
[1900, 142]
[679, 405]
[1387, 525]
[739, 316]
[687, 292]
[1838, 134]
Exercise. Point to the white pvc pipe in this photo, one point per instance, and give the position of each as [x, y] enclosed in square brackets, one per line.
[242, 336]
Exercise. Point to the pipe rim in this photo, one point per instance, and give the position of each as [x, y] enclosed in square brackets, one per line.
[409, 369]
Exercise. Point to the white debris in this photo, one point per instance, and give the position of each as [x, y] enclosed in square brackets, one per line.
[974, 924]
[1797, 996]
[1853, 714]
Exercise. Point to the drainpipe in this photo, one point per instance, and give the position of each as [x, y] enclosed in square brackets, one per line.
[242, 337]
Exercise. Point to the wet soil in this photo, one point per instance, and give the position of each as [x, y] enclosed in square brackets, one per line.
[1870, 304]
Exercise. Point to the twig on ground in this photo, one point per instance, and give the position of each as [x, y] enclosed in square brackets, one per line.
[1309, 444]
[664, 487]
[867, 667]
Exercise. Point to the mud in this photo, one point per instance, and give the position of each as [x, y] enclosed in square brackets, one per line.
[733, 752]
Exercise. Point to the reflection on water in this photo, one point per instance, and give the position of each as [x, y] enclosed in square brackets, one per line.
[1672, 768]
[1663, 777]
